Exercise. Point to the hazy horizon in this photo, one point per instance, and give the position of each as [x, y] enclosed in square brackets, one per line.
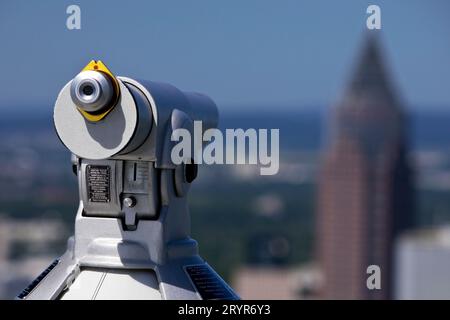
[41, 109]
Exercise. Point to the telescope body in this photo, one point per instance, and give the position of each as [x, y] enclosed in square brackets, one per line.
[132, 229]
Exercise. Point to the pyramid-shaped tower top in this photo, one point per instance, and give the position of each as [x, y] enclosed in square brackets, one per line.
[370, 81]
[369, 111]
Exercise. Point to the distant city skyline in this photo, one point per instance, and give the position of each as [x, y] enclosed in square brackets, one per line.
[253, 55]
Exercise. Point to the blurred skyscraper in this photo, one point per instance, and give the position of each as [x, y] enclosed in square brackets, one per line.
[365, 184]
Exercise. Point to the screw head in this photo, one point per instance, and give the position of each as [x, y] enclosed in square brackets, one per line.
[130, 202]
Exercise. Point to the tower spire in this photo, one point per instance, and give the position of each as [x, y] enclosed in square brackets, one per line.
[370, 78]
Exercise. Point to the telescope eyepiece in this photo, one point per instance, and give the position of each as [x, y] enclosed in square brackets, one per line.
[88, 91]
[92, 91]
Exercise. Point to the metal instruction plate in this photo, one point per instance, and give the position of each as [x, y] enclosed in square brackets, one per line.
[98, 179]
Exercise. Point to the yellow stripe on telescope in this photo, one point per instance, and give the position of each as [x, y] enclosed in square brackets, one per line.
[101, 67]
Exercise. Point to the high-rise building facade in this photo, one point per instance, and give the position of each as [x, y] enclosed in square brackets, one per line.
[365, 186]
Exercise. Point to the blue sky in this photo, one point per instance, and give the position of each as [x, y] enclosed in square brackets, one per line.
[245, 54]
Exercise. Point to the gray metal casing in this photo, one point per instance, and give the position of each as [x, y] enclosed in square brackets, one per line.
[160, 242]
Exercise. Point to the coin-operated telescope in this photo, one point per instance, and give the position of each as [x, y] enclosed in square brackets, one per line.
[132, 230]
